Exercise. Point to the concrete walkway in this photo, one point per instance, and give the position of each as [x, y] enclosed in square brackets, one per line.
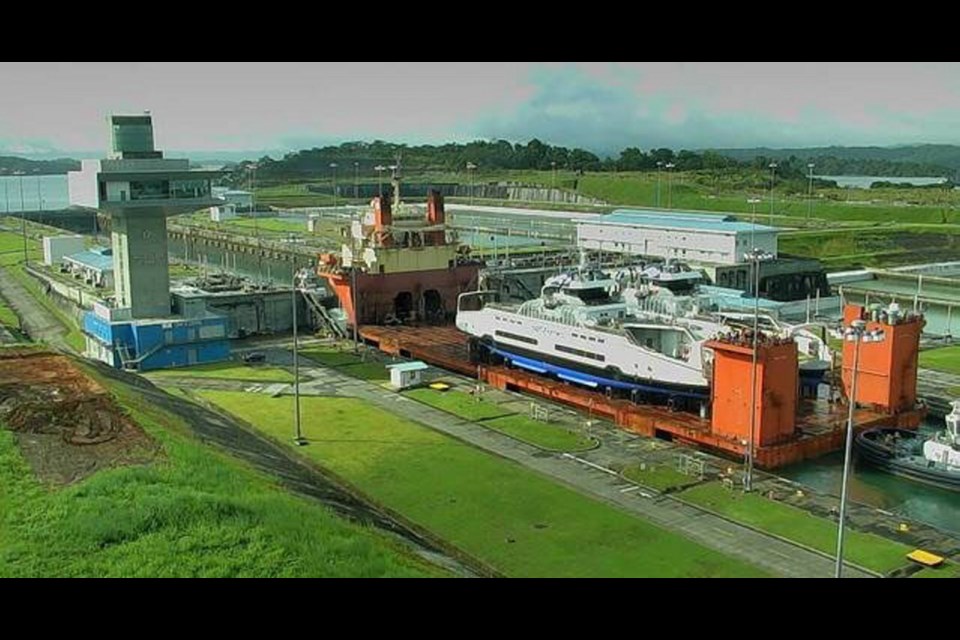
[38, 322]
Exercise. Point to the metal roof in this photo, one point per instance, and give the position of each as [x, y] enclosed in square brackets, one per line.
[416, 365]
[723, 223]
[92, 259]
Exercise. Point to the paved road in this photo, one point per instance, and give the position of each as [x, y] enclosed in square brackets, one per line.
[39, 323]
[769, 553]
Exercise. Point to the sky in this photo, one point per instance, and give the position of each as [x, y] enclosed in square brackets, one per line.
[272, 106]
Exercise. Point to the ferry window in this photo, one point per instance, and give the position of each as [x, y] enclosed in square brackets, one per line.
[580, 352]
[513, 336]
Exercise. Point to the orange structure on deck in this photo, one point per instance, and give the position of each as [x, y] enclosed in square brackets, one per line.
[773, 399]
[887, 370]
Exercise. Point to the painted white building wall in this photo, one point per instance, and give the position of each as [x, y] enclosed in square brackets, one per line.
[56, 247]
[691, 245]
[82, 185]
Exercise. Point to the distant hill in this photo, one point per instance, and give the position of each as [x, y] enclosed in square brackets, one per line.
[12, 164]
[909, 160]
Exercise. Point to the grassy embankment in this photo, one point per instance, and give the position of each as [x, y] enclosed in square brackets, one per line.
[864, 549]
[493, 416]
[195, 512]
[227, 371]
[514, 519]
[942, 359]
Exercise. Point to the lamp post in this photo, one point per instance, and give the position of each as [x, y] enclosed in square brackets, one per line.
[553, 168]
[753, 219]
[379, 169]
[856, 333]
[23, 218]
[659, 166]
[353, 291]
[333, 168]
[810, 191]
[356, 180]
[470, 167]
[39, 200]
[256, 222]
[668, 167]
[298, 438]
[773, 177]
[755, 256]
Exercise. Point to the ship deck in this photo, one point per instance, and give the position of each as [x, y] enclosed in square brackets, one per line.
[820, 424]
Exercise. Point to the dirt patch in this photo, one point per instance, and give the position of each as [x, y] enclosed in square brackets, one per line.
[66, 425]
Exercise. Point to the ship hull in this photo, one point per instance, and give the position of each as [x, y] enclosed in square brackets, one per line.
[872, 450]
[591, 377]
[413, 296]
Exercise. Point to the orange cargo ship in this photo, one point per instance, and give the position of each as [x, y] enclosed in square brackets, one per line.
[404, 268]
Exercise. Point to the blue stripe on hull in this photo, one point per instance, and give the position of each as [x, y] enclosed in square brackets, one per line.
[590, 380]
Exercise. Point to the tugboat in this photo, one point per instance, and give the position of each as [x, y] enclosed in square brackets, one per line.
[934, 460]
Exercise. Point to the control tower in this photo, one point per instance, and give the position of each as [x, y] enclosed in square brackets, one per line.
[138, 188]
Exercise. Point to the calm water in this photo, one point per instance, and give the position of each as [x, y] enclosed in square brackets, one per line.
[864, 182]
[940, 318]
[52, 193]
[938, 507]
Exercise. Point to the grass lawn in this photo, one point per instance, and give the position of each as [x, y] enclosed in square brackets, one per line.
[349, 363]
[864, 549]
[942, 359]
[658, 476]
[228, 371]
[197, 512]
[545, 436]
[514, 519]
[945, 570]
[7, 317]
[458, 403]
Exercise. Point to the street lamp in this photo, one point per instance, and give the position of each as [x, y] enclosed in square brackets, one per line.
[333, 167]
[353, 286]
[668, 167]
[23, 218]
[256, 222]
[553, 167]
[379, 169]
[755, 256]
[659, 166]
[810, 192]
[298, 438]
[356, 180]
[753, 219]
[773, 177]
[471, 167]
[856, 333]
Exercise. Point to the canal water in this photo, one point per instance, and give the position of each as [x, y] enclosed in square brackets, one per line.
[941, 318]
[938, 507]
[39, 192]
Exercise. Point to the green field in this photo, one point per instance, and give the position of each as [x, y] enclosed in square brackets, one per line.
[349, 363]
[228, 371]
[515, 520]
[7, 316]
[942, 359]
[196, 512]
[658, 476]
[73, 336]
[946, 570]
[460, 404]
[539, 434]
[864, 549]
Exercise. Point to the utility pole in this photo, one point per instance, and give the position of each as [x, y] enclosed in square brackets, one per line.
[810, 193]
[298, 437]
[773, 177]
[356, 180]
[333, 167]
[23, 220]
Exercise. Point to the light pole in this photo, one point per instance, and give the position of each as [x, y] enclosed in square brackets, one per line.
[810, 192]
[379, 169]
[856, 333]
[470, 167]
[668, 167]
[256, 222]
[553, 168]
[753, 219]
[39, 200]
[23, 218]
[298, 438]
[659, 166]
[773, 177]
[356, 180]
[333, 167]
[755, 256]
[353, 290]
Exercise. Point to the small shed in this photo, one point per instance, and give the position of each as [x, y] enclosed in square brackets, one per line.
[406, 374]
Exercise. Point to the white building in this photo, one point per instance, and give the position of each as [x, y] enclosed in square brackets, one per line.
[688, 237]
[223, 212]
[55, 247]
[242, 200]
[94, 267]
